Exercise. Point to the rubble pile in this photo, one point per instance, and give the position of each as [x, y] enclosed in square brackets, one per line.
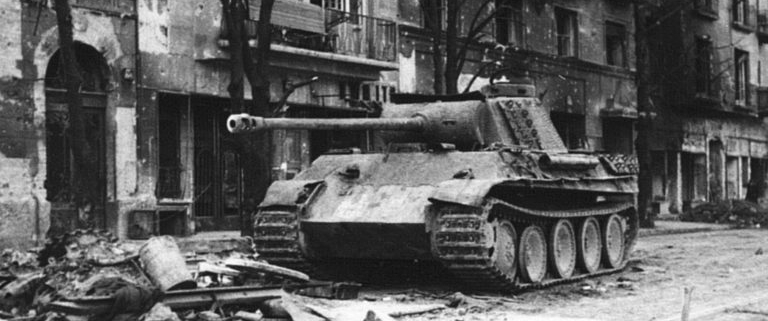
[739, 213]
[90, 275]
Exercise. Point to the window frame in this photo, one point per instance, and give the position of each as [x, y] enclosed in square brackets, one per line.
[622, 34]
[703, 65]
[510, 12]
[741, 79]
[571, 34]
[443, 16]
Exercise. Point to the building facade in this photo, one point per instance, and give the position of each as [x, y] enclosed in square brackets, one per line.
[156, 99]
[579, 55]
[709, 134]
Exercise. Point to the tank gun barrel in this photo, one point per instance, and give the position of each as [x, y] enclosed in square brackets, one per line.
[244, 123]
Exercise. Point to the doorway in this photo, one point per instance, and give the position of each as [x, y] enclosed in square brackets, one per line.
[218, 183]
[60, 167]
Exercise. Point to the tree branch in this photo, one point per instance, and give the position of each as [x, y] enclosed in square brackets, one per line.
[474, 31]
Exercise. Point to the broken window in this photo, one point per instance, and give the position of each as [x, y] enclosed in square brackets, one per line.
[615, 44]
[741, 82]
[571, 129]
[703, 65]
[509, 22]
[566, 27]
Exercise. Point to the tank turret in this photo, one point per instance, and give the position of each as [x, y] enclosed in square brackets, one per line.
[506, 114]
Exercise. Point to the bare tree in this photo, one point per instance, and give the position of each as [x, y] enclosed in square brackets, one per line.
[85, 185]
[450, 46]
[254, 148]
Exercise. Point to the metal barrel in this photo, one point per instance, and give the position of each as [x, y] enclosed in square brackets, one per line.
[243, 123]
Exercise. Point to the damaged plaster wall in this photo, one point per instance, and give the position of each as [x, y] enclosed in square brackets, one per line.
[23, 206]
[27, 46]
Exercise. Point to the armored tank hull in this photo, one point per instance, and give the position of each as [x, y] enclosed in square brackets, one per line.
[517, 213]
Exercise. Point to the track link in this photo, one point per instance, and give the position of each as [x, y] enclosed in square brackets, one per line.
[276, 238]
[461, 238]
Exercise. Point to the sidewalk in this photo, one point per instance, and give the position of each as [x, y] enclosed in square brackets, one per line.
[678, 227]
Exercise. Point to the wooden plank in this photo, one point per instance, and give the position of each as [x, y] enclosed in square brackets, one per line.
[293, 14]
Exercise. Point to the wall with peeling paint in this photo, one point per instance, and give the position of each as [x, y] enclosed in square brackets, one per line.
[27, 46]
[150, 47]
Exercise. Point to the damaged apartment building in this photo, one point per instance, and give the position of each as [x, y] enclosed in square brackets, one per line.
[578, 54]
[155, 98]
[709, 137]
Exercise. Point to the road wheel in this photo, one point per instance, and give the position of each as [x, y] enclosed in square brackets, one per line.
[562, 249]
[533, 254]
[505, 250]
[589, 245]
[613, 242]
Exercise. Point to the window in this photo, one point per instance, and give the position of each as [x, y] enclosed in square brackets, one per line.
[618, 136]
[740, 11]
[509, 22]
[703, 65]
[347, 11]
[440, 14]
[741, 59]
[566, 25]
[615, 44]
[571, 128]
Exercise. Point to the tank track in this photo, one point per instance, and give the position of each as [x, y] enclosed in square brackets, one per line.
[459, 241]
[276, 238]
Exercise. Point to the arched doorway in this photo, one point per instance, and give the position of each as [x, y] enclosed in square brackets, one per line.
[60, 162]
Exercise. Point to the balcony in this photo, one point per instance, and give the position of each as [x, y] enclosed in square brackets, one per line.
[762, 26]
[309, 30]
[762, 101]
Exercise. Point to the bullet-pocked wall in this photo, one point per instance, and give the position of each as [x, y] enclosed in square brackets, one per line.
[27, 109]
[591, 95]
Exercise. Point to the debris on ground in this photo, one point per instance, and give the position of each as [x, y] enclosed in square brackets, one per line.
[91, 275]
[739, 213]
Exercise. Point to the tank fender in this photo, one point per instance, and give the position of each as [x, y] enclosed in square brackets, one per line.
[287, 192]
[470, 192]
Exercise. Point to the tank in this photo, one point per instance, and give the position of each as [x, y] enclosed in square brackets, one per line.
[481, 184]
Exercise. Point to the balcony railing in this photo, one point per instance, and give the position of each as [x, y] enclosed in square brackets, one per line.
[307, 26]
[360, 35]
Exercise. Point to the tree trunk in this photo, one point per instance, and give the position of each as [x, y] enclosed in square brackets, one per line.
[451, 54]
[645, 121]
[85, 184]
[258, 145]
[432, 15]
[234, 14]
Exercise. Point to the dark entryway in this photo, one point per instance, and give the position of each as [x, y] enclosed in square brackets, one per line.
[60, 167]
[217, 167]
